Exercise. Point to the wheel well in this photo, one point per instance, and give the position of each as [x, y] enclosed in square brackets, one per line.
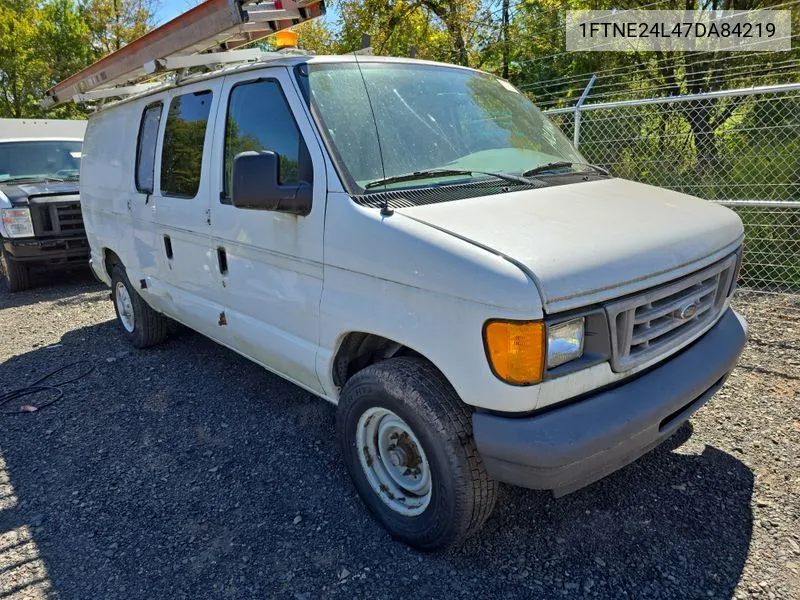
[359, 350]
[109, 260]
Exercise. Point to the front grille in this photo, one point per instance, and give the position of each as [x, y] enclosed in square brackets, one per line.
[57, 218]
[653, 323]
[69, 216]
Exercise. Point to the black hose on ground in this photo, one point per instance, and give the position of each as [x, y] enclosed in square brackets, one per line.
[38, 387]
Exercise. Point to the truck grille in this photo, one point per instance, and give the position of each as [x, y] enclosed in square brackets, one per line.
[57, 218]
[69, 216]
[655, 322]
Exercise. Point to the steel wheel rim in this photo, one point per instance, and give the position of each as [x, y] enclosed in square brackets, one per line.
[124, 307]
[394, 461]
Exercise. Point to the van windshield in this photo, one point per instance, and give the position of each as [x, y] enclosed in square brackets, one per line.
[420, 117]
[39, 160]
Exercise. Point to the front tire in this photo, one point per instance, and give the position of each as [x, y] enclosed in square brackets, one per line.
[17, 275]
[407, 443]
[142, 325]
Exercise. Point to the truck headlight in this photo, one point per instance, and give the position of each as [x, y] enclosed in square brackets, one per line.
[17, 222]
[519, 351]
[564, 342]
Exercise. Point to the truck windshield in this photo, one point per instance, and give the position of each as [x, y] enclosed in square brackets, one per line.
[39, 159]
[420, 117]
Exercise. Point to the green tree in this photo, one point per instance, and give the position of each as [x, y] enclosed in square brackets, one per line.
[437, 29]
[63, 36]
[44, 42]
[114, 23]
[24, 72]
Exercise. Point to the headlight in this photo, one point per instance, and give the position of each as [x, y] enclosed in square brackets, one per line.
[737, 274]
[564, 342]
[515, 350]
[17, 222]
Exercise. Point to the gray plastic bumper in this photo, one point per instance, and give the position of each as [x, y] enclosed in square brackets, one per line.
[52, 251]
[567, 448]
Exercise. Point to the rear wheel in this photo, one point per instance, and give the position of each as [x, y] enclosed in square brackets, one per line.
[407, 443]
[16, 274]
[142, 325]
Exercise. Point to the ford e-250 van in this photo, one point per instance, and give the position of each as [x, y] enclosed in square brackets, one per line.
[417, 244]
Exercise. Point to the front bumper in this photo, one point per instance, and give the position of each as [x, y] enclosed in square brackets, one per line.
[567, 448]
[48, 251]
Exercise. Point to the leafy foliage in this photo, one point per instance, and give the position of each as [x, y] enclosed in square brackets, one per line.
[24, 71]
[42, 43]
[114, 23]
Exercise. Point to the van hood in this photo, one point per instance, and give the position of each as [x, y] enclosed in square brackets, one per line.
[20, 193]
[592, 241]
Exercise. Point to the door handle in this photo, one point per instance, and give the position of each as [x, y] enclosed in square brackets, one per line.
[168, 246]
[222, 260]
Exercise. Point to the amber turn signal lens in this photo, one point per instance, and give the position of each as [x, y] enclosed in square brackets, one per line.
[516, 350]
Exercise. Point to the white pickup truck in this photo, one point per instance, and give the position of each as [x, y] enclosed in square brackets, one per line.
[416, 243]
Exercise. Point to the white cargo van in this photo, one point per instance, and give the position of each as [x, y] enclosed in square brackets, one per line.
[416, 243]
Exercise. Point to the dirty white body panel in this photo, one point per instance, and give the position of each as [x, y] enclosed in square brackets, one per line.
[36, 129]
[590, 242]
[427, 278]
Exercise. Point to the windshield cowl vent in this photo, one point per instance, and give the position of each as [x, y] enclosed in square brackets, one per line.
[407, 198]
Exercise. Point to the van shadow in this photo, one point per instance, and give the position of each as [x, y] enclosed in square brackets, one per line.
[672, 524]
[181, 471]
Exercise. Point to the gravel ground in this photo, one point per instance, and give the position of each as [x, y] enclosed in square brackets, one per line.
[185, 471]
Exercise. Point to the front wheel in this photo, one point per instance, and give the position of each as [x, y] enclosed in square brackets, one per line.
[408, 446]
[17, 275]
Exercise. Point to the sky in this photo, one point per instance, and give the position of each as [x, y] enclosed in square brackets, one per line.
[169, 9]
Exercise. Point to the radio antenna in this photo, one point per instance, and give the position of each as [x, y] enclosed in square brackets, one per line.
[386, 210]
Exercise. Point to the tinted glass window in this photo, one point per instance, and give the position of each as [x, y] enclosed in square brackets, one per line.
[146, 149]
[259, 119]
[184, 134]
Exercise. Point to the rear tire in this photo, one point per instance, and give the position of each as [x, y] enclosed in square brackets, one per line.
[407, 443]
[143, 326]
[17, 275]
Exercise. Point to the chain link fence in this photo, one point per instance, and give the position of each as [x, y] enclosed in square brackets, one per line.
[740, 148]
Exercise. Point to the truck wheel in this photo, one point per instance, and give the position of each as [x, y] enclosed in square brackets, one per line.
[142, 325]
[17, 275]
[407, 443]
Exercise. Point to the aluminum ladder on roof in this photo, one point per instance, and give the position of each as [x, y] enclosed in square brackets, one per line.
[211, 27]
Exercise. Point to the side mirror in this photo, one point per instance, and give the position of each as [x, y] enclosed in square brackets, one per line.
[255, 185]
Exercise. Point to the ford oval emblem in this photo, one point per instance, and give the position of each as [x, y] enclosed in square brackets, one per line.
[687, 311]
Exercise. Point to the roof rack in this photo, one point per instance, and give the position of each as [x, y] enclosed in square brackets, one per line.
[202, 36]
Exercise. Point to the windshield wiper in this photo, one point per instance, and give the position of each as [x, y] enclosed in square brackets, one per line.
[32, 178]
[551, 166]
[431, 173]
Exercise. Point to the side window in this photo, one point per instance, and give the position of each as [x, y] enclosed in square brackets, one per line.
[182, 151]
[146, 148]
[258, 119]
